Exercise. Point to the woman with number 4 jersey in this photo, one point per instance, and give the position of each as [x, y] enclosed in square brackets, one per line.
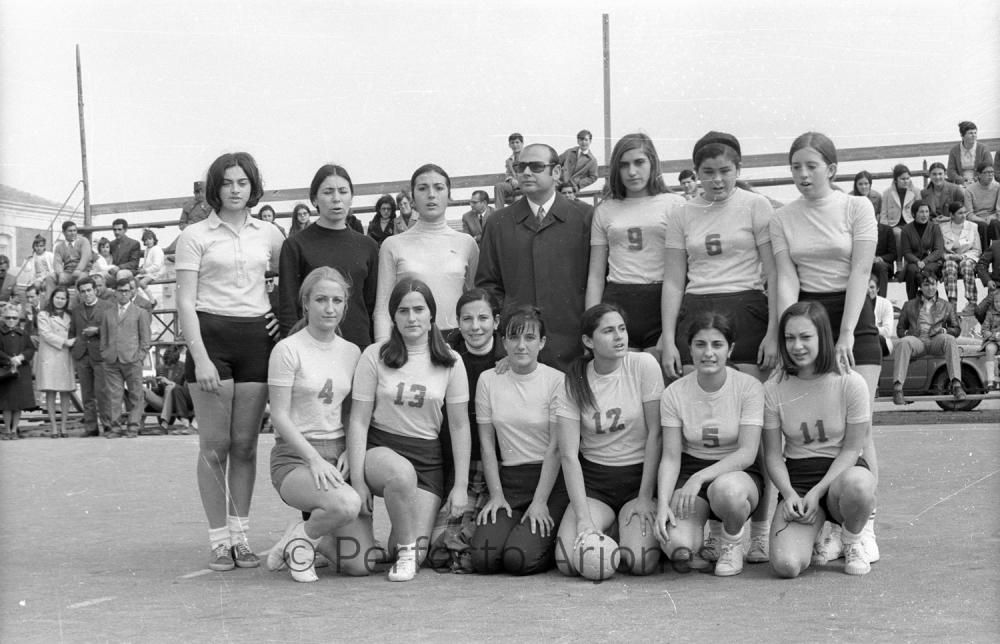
[609, 443]
[711, 421]
[401, 388]
[822, 416]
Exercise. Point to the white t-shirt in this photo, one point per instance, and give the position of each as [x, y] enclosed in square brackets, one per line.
[521, 408]
[633, 231]
[409, 401]
[813, 414]
[319, 375]
[710, 421]
[722, 241]
[819, 237]
[614, 433]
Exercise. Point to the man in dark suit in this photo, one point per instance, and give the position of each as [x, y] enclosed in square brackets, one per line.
[125, 251]
[579, 165]
[537, 252]
[472, 221]
[885, 257]
[85, 326]
[125, 341]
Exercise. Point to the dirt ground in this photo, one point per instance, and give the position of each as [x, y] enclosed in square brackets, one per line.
[106, 541]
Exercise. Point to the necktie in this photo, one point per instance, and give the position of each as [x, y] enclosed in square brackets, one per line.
[541, 214]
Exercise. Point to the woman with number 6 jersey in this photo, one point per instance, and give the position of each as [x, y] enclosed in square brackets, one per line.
[711, 423]
[401, 387]
[309, 379]
[822, 416]
[609, 443]
[626, 239]
[718, 257]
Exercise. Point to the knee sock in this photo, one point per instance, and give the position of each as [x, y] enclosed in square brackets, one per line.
[732, 538]
[218, 537]
[238, 528]
[760, 528]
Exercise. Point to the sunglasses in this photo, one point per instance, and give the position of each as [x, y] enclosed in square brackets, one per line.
[534, 166]
[12, 317]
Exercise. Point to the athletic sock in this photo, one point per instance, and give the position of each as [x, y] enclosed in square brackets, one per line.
[218, 537]
[846, 536]
[715, 529]
[238, 528]
[732, 538]
[760, 528]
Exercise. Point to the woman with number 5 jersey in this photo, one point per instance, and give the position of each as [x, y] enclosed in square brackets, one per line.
[822, 417]
[626, 239]
[401, 387]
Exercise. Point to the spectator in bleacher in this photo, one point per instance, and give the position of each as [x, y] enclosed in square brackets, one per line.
[167, 392]
[689, 184]
[140, 297]
[383, 224]
[962, 250]
[579, 165]
[16, 352]
[988, 267]
[72, 256]
[331, 243]
[196, 209]
[922, 246]
[300, 219]
[885, 318]
[266, 213]
[85, 327]
[7, 280]
[863, 188]
[125, 341]
[432, 252]
[480, 210]
[101, 287]
[508, 189]
[54, 366]
[407, 218]
[967, 155]
[354, 223]
[39, 269]
[151, 268]
[982, 198]
[29, 312]
[102, 259]
[568, 190]
[125, 251]
[991, 338]
[927, 325]
[940, 192]
[885, 257]
[897, 201]
[271, 282]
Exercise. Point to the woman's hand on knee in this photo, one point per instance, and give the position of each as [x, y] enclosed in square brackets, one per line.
[489, 512]
[538, 518]
[324, 473]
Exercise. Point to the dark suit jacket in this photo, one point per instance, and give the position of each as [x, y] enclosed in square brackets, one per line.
[126, 253]
[942, 315]
[990, 257]
[81, 317]
[471, 225]
[927, 248]
[581, 170]
[524, 262]
[125, 339]
[885, 247]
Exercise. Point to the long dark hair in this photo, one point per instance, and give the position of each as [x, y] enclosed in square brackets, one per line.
[393, 352]
[577, 385]
[816, 313]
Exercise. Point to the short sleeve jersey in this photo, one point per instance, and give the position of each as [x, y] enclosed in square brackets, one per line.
[409, 400]
[230, 264]
[722, 241]
[614, 433]
[813, 414]
[711, 420]
[521, 408]
[819, 237]
[319, 375]
[633, 230]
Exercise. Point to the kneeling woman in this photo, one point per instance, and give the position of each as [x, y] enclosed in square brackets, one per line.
[400, 388]
[823, 417]
[711, 422]
[516, 529]
[309, 378]
[609, 443]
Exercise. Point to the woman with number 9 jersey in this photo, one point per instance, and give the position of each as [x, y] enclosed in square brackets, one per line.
[401, 387]
[608, 432]
[718, 256]
[626, 239]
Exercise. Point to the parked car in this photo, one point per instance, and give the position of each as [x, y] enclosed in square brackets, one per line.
[928, 376]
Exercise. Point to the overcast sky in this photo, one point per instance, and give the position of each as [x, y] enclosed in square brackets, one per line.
[383, 87]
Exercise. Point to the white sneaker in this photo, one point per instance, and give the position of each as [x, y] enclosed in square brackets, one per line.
[276, 556]
[760, 548]
[855, 562]
[868, 542]
[830, 548]
[301, 566]
[711, 549]
[730, 560]
[404, 569]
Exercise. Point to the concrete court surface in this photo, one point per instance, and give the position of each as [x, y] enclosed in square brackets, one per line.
[105, 541]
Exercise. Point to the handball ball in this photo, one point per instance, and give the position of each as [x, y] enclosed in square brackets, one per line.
[597, 557]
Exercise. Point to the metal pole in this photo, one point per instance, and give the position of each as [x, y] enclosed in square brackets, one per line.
[607, 88]
[83, 142]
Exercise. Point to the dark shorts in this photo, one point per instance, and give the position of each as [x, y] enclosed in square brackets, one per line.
[867, 349]
[238, 347]
[423, 454]
[641, 303]
[691, 465]
[805, 473]
[284, 458]
[612, 485]
[520, 481]
[747, 313]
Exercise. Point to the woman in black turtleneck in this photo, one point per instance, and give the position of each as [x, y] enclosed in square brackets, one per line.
[922, 246]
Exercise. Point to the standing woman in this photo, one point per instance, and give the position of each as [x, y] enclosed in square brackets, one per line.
[383, 224]
[16, 352]
[718, 257]
[824, 245]
[266, 213]
[897, 201]
[300, 219]
[609, 443]
[863, 188]
[711, 421]
[309, 379]
[222, 303]
[626, 240]
[819, 472]
[401, 388]
[331, 243]
[431, 251]
[407, 217]
[54, 371]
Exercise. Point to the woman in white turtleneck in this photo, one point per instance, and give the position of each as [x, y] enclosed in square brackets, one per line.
[430, 251]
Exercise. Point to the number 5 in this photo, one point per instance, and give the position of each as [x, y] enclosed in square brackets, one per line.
[713, 244]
